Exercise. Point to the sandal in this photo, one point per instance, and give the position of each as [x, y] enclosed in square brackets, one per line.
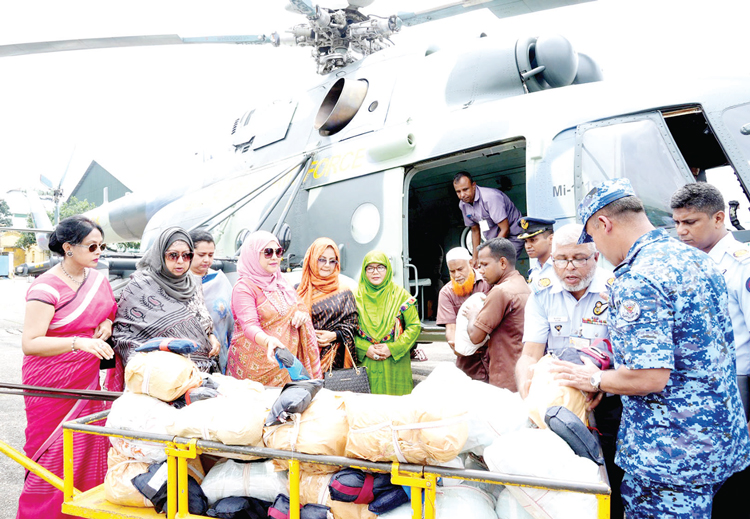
[418, 354]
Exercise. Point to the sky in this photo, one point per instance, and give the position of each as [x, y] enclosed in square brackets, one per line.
[150, 115]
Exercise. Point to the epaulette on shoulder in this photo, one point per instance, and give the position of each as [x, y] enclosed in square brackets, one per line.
[741, 253]
[542, 284]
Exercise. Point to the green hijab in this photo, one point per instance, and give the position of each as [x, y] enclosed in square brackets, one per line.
[378, 306]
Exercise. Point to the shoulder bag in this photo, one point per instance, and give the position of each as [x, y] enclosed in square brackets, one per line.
[353, 379]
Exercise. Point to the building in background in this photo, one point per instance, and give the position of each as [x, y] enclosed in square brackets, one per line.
[95, 182]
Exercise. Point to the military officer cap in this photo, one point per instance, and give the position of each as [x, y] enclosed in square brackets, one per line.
[533, 226]
[602, 195]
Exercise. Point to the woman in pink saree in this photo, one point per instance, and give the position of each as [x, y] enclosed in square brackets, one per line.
[69, 312]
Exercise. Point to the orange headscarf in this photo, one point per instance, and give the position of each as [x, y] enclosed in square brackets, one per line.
[312, 286]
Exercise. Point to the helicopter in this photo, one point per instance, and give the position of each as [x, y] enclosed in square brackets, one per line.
[367, 155]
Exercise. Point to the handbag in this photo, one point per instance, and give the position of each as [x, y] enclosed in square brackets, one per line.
[350, 379]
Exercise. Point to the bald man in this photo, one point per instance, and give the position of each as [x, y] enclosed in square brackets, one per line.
[465, 281]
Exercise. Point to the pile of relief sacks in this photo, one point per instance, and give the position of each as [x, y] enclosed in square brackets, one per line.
[449, 420]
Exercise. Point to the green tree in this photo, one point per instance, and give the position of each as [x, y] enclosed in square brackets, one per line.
[27, 239]
[6, 219]
[71, 207]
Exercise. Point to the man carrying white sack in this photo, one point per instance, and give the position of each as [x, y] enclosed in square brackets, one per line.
[572, 312]
[465, 281]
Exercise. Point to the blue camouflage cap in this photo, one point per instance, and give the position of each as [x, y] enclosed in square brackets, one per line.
[601, 196]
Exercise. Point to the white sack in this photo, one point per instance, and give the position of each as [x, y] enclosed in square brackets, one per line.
[542, 453]
[453, 503]
[257, 479]
[471, 307]
[491, 411]
[142, 413]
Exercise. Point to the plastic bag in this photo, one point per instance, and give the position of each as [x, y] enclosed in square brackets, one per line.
[542, 453]
[491, 411]
[118, 486]
[452, 503]
[142, 413]
[258, 479]
[472, 306]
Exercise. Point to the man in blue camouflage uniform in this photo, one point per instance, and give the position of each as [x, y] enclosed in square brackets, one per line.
[683, 431]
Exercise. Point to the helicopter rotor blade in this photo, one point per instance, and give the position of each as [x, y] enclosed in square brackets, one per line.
[19, 49]
[304, 7]
[500, 8]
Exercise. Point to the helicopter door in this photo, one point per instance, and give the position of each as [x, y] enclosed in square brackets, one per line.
[639, 147]
[360, 214]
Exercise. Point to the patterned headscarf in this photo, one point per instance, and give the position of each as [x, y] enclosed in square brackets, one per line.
[154, 266]
[378, 306]
[313, 286]
[249, 266]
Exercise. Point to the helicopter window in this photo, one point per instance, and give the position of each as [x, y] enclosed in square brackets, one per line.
[637, 150]
[365, 223]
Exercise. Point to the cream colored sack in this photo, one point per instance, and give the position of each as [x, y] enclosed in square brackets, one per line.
[314, 489]
[408, 429]
[237, 388]
[546, 392]
[231, 421]
[161, 374]
[321, 429]
[118, 486]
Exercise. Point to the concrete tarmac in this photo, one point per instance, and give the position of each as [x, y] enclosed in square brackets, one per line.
[13, 417]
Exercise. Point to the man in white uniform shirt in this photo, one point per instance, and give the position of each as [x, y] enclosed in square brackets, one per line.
[572, 311]
[698, 213]
[537, 240]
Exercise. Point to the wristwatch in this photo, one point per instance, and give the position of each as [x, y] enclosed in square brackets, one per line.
[595, 380]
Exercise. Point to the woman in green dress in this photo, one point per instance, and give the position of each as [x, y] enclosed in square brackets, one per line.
[388, 327]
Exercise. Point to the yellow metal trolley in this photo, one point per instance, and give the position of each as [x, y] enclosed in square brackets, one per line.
[422, 479]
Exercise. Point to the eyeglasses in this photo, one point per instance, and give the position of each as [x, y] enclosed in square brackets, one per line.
[370, 269]
[93, 246]
[174, 256]
[577, 262]
[268, 252]
[323, 261]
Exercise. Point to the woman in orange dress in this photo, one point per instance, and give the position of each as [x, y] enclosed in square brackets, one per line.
[331, 305]
[268, 314]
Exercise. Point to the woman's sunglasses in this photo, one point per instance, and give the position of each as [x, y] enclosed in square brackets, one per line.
[93, 246]
[323, 261]
[174, 256]
[268, 252]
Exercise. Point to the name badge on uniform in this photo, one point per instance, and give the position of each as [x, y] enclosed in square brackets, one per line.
[580, 343]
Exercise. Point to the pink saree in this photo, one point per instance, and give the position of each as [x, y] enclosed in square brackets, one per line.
[77, 314]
